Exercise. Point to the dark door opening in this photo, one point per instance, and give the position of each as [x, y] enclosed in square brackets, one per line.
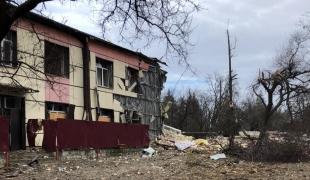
[12, 108]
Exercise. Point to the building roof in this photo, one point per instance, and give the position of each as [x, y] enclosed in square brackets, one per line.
[77, 33]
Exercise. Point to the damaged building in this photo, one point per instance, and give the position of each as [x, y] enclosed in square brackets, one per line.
[52, 71]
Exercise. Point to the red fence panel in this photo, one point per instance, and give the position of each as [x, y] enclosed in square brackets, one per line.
[133, 135]
[49, 138]
[84, 135]
[72, 134]
[102, 135]
[4, 135]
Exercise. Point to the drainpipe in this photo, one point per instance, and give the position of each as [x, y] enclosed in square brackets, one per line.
[86, 80]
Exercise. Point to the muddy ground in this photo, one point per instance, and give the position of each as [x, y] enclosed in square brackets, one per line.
[166, 164]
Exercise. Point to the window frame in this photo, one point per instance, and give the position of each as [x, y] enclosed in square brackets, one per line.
[132, 75]
[11, 38]
[69, 109]
[16, 102]
[106, 112]
[104, 70]
[63, 62]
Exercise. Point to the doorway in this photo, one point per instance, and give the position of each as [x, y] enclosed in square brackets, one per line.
[12, 108]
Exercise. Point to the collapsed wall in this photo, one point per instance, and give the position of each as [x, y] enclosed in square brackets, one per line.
[145, 109]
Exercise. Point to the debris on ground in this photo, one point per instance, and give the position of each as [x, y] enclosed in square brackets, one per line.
[182, 145]
[148, 152]
[14, 174]
[174, 140]
[170, 137]
[201, 142]
[34, 161]
[170, 128]
[167, 164]
[199, 159]
[218, 156]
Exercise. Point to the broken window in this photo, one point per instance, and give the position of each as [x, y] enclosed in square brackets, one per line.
[132, 117]
[132, 78]
[106, 115]
[56, 59]
[104, 70]
[56, 111]
[8, 52]
[56, 106]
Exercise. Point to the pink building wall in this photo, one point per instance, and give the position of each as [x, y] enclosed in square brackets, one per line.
[100, 49]
[106, 51]
[57, 91]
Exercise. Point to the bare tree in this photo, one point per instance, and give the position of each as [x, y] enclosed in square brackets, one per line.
[164, 20]
[289, 80]
[231, 77]
[217, 104]
[215, 101]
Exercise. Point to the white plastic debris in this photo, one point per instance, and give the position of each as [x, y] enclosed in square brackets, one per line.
[182, 145]
[218, 156]
[148, 152]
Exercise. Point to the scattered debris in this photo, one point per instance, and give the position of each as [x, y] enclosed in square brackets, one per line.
[169, 128]
[201, 142]
[218, 156]
[148, 152]
[166, 164]
[171, 139]
[62, 169]
[34, 161]
[182, 145]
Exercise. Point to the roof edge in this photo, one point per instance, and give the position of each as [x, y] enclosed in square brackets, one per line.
[77, 33]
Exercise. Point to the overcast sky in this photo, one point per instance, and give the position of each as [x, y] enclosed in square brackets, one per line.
[261, 28]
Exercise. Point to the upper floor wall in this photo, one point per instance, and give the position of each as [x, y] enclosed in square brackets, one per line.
[32, 39]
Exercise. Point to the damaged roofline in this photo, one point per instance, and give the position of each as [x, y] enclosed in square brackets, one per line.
[59, 26]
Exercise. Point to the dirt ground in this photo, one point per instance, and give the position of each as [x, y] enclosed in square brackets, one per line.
[166, 164]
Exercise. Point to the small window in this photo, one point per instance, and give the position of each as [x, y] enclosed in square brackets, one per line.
[109, 113]
[59, 110]
[57, 107]
[132, 77]
[56, 59]
[11, 102]
[8, 52]
[104, 70]
[132, 117]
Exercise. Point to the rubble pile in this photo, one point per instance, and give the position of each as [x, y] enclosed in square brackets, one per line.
[215, 145]
[168, 138]
[173, 140]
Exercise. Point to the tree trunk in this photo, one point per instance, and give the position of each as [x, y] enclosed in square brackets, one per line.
[5, 19]
[263, 136]
[9, 13]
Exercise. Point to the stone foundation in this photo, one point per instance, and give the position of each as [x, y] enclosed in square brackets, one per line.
[94, 154]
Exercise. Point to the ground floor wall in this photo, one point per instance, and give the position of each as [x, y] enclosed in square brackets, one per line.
[39, 91]
[35, 108]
